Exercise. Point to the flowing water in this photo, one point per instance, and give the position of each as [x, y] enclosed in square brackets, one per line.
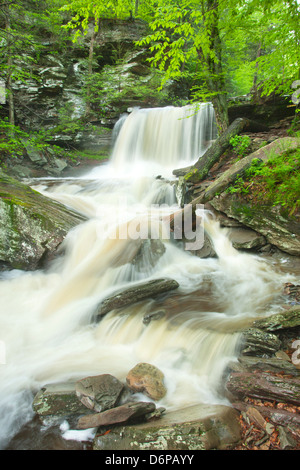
[48, 328]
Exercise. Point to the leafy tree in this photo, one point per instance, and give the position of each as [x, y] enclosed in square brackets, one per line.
[21, 26]
[227, 46]
[186, 41]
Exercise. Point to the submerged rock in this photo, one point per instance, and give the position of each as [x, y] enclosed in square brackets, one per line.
[32, 226]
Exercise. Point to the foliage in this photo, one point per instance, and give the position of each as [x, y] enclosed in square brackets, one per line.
[11, 139]
[115, 84]
[275, 182]
[240, 143]
[83, 11]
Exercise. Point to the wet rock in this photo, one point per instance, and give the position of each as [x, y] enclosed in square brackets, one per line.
[58, 399]
[279, 321]
[245, 239]
[136, 293]
[148, 379]
[256, 342]
[278, 230]
[149, 254]
[265, 386]
[100, 392]
[200, 427]
[157, 315]
[272, 364]
[32, 226]
[207, 250]
[117, 415]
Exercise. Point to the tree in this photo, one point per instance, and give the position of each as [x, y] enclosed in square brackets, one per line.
[186, 41]
[217, 44]
[265, 40]
[85, 13]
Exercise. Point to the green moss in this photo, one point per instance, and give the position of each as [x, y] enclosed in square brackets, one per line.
[273, 183]
[193, 176]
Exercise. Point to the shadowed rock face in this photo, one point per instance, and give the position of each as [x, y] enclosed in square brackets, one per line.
[31, 226]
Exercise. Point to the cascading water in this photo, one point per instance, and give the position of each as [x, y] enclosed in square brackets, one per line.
[164, 136]
[47, 317]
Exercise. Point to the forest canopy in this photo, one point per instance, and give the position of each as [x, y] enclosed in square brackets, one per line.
[222, 48]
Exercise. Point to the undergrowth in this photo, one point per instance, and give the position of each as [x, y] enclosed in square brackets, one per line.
[275, 182]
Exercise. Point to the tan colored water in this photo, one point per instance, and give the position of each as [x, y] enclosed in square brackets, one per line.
[47, 317]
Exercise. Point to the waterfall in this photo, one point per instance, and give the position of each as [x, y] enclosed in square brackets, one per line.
[169, 136]
[47, 317]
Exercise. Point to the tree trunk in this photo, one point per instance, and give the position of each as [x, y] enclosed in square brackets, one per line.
[90, 70]
[212, 155]
[10, 96]
[215, 81]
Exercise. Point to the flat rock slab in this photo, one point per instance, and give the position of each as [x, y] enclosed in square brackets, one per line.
[136, 293]
[58, 399]
[199, 427]
[264, 386]
[120, 414]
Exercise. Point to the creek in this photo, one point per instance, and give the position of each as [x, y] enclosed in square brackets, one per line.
[48, 328]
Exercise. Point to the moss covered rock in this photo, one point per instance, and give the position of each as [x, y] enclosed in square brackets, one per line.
[32, 226]
[279, 230]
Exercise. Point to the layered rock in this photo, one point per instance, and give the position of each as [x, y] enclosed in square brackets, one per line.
[277, 229]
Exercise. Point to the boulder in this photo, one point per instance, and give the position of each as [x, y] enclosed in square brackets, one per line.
[100, 392]
[278, 230]
[32, 226]
[245, 238]
[148, 379]
[149, 254]
[117, 415]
